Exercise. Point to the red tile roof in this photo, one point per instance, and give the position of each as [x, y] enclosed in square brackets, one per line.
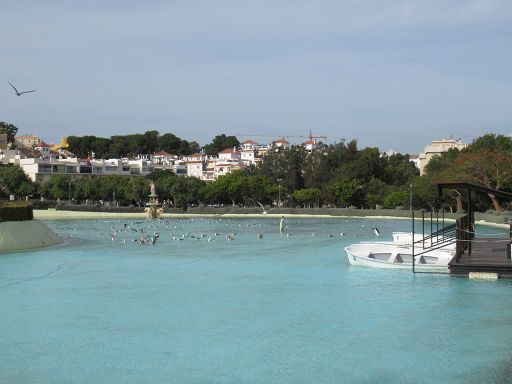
[42, 144]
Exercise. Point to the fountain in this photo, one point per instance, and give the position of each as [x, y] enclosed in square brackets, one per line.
[153, 211]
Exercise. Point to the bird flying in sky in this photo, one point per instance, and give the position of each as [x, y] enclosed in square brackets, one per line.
[20, 93]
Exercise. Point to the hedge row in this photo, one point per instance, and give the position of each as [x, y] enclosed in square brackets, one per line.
[97, 208]
[16, 211]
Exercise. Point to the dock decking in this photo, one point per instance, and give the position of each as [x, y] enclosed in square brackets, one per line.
[487, 255]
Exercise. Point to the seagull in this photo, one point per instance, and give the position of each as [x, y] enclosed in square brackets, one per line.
[376, 231]
[20, 93]
[262, 207]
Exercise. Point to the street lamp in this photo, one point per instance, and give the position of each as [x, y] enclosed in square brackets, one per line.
[69, 193]
[410, 197]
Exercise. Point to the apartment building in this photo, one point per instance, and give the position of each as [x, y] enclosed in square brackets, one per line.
[435, 148]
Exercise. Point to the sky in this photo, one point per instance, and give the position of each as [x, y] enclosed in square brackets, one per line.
[391, 74]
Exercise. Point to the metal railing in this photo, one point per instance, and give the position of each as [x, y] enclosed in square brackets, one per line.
[460, 233]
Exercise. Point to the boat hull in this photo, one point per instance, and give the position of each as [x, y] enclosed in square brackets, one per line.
[392, 256]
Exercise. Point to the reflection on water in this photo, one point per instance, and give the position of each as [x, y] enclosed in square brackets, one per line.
[219, 300]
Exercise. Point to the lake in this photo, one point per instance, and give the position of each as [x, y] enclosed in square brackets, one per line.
[104, 308]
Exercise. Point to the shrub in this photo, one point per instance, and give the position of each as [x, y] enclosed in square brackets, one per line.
[396, 199]
[16, 211]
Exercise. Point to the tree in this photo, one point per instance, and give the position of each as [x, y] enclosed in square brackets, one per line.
[169, 143]
[57, 187]
[398, 169]
[307, 196]
[138, 189]
[11, 131]
[187, 190]
[442, 163]
[316, 168]
[85, 188]
[492, 170]
[396, 199]
[259, 189]
[285, 164]
[352, 193]
[220, 143]
[491, 143]
[14, 181]
[150, 141]
[164, 181]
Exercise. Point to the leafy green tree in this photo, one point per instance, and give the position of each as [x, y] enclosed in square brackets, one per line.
[368, 164]
[113, 187]
[396, 199]
[352, 193]
[307, 196]
[492, 170]
[398, 170]
[376, 191]
[151, 139]
[11, 131]
[286, 165]
[491, 143]
[85, 188]
[58, 187]
[187, 190]
[332, 193]
[138, 189]
[118, 146]
[220, 143]
[259, 189]
[169, 143]
[164, 180]
[439, 166]
[316, 172]
[14, 181]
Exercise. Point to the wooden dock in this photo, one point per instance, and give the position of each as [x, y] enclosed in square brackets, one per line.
[488, 255]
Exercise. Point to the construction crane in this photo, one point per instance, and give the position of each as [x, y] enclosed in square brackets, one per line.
[310, 136]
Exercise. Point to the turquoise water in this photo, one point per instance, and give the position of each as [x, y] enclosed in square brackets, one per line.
[273, 310]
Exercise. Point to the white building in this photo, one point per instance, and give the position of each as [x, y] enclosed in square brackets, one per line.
[27, 141]
[310, 145]
[43, 148]
[281, 143]
[437, 147]
[230, 154]
[195, 168]
[224, 167]
[42, 169]
[248, 152]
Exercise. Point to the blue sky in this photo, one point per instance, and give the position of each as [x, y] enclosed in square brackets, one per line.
[392, 74]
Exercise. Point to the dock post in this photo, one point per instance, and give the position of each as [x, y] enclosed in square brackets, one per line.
[422, 227]
[412, 213]
[457, 240]
[509, 250]
[431, 224]
[471, 232]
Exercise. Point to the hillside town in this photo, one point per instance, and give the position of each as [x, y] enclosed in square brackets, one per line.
[40, 160]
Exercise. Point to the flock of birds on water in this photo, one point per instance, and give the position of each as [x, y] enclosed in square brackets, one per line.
[149, 232]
